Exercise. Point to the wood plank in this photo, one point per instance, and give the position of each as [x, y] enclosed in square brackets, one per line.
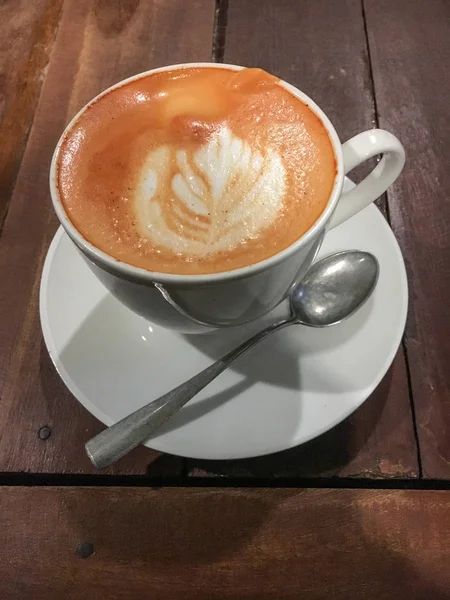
[321, 48]
[27, 33]
[98, 43]
[223, 544]
[410, 48]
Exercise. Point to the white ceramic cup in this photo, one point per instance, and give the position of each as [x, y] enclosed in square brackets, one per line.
[194, 303]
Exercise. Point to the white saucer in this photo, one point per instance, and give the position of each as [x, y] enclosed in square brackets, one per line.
[293, 387]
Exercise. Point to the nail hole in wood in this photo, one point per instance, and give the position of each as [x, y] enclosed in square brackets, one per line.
[44, 433]
[84, 550]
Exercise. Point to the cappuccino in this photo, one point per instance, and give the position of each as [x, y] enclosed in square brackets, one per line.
[196, 170]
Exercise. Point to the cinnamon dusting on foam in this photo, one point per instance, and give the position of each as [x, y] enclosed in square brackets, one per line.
[196, 170]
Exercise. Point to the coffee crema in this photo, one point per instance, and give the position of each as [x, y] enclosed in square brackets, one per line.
[196, 170]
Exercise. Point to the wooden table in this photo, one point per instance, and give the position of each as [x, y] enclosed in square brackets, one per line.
[361, 512]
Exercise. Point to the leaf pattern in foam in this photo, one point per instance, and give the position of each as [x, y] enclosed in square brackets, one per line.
[220, 196]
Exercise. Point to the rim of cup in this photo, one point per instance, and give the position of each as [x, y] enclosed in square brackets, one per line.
[137, 273]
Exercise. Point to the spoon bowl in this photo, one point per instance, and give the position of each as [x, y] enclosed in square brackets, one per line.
[334, 288]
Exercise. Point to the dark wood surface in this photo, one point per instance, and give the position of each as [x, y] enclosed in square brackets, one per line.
[222, 544]
[27, 32]
[410, 49]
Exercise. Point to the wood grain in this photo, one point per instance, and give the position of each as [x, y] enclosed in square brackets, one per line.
[410, 48]
[223, 544]
[27, 32]
[321, 48]
[99, 42]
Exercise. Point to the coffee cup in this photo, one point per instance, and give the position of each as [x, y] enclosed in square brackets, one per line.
[195, 303]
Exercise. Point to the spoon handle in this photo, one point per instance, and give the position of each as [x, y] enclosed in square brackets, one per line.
[116, 441]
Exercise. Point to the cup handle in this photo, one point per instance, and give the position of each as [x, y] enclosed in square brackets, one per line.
[359, 149]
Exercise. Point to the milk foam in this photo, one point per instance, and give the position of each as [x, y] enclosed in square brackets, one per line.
[217, 197]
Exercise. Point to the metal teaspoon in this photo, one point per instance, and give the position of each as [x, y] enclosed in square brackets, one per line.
[332, 290]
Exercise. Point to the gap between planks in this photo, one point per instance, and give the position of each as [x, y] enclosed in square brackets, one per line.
[183, 481]
[219, 31]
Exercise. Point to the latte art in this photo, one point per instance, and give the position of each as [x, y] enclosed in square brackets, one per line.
[219, 196]
[196, 170]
